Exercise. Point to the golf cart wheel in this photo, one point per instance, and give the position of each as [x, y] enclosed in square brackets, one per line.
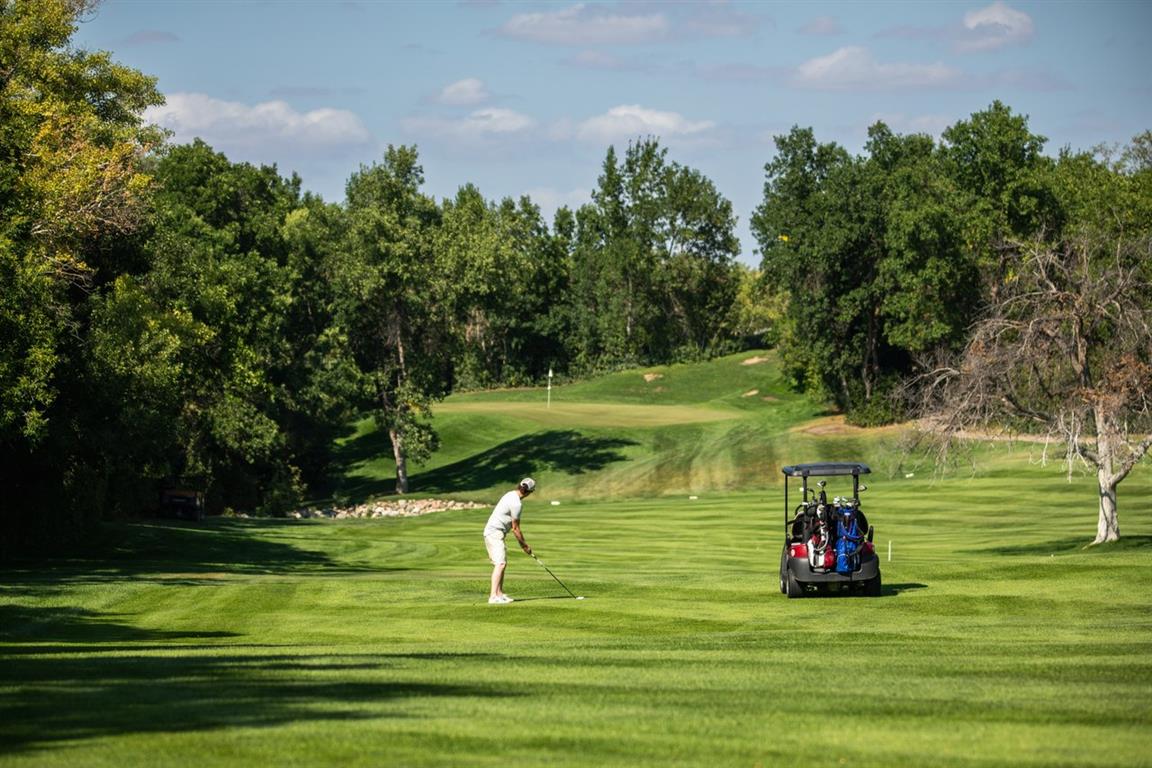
[784, 571]
[872, 587]
[793, 588]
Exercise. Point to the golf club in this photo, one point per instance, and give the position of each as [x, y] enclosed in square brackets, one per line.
[541, 562]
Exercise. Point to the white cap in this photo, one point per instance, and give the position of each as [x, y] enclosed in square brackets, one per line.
[528, 484]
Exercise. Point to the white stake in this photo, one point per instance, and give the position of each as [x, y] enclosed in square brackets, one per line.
[549, 387]
[889, 550]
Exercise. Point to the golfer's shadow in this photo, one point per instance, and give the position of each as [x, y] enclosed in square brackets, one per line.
[549, 597]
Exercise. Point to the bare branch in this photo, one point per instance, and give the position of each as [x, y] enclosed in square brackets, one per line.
[1138, 453]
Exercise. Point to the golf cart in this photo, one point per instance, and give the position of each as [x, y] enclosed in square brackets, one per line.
[181, 503]
[827, 544]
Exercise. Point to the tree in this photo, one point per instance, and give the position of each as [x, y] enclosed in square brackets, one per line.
[511, 276]
[71, 142]
[757, 310]
[399, 301]
[881, 255]
[998, 166]
[611, 268]
[927, 279]
[1063, 345]
[72, 145]
[211, 357]
[652, 264]
[321, 384]
[697, 246]
[821, 230]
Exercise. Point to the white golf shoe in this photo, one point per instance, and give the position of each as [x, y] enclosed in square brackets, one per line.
[500, 600]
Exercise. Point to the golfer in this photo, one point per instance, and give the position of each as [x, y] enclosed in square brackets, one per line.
[505, 517]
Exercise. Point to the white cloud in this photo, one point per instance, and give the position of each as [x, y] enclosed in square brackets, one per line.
[719, 19]
[822, 25]
[630, 121]
[465, 92]
[617, 124]
[597, 59]
[497, 120]
[933, 125]
[581, 25]
[994, 27]
[270, 125]
[854, 67]
[482, 123]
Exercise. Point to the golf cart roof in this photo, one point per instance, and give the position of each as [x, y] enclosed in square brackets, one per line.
[826, 469]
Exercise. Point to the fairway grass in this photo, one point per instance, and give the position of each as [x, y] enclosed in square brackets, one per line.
[999, 638]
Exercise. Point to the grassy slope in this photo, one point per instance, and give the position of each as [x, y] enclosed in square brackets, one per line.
[696, 428]
[999, 639]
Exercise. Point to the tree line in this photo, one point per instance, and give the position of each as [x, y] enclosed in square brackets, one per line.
[168, 315]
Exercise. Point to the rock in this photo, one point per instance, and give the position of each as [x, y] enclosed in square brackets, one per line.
[386, 509]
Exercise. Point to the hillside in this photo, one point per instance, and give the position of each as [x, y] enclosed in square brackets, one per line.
[723, 425]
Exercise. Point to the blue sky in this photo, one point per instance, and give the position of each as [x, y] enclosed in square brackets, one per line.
[525, 97]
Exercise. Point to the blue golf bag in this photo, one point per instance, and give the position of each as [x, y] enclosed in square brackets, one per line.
[848, 541]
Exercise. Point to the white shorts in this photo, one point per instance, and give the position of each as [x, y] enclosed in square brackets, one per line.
[497, 552]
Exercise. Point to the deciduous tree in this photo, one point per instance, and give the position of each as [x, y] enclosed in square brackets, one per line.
[399, 301]
[71, 141]
[652, 265]
[71, 148]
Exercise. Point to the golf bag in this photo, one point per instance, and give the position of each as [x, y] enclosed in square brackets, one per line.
[849, 540]
[817, 536]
